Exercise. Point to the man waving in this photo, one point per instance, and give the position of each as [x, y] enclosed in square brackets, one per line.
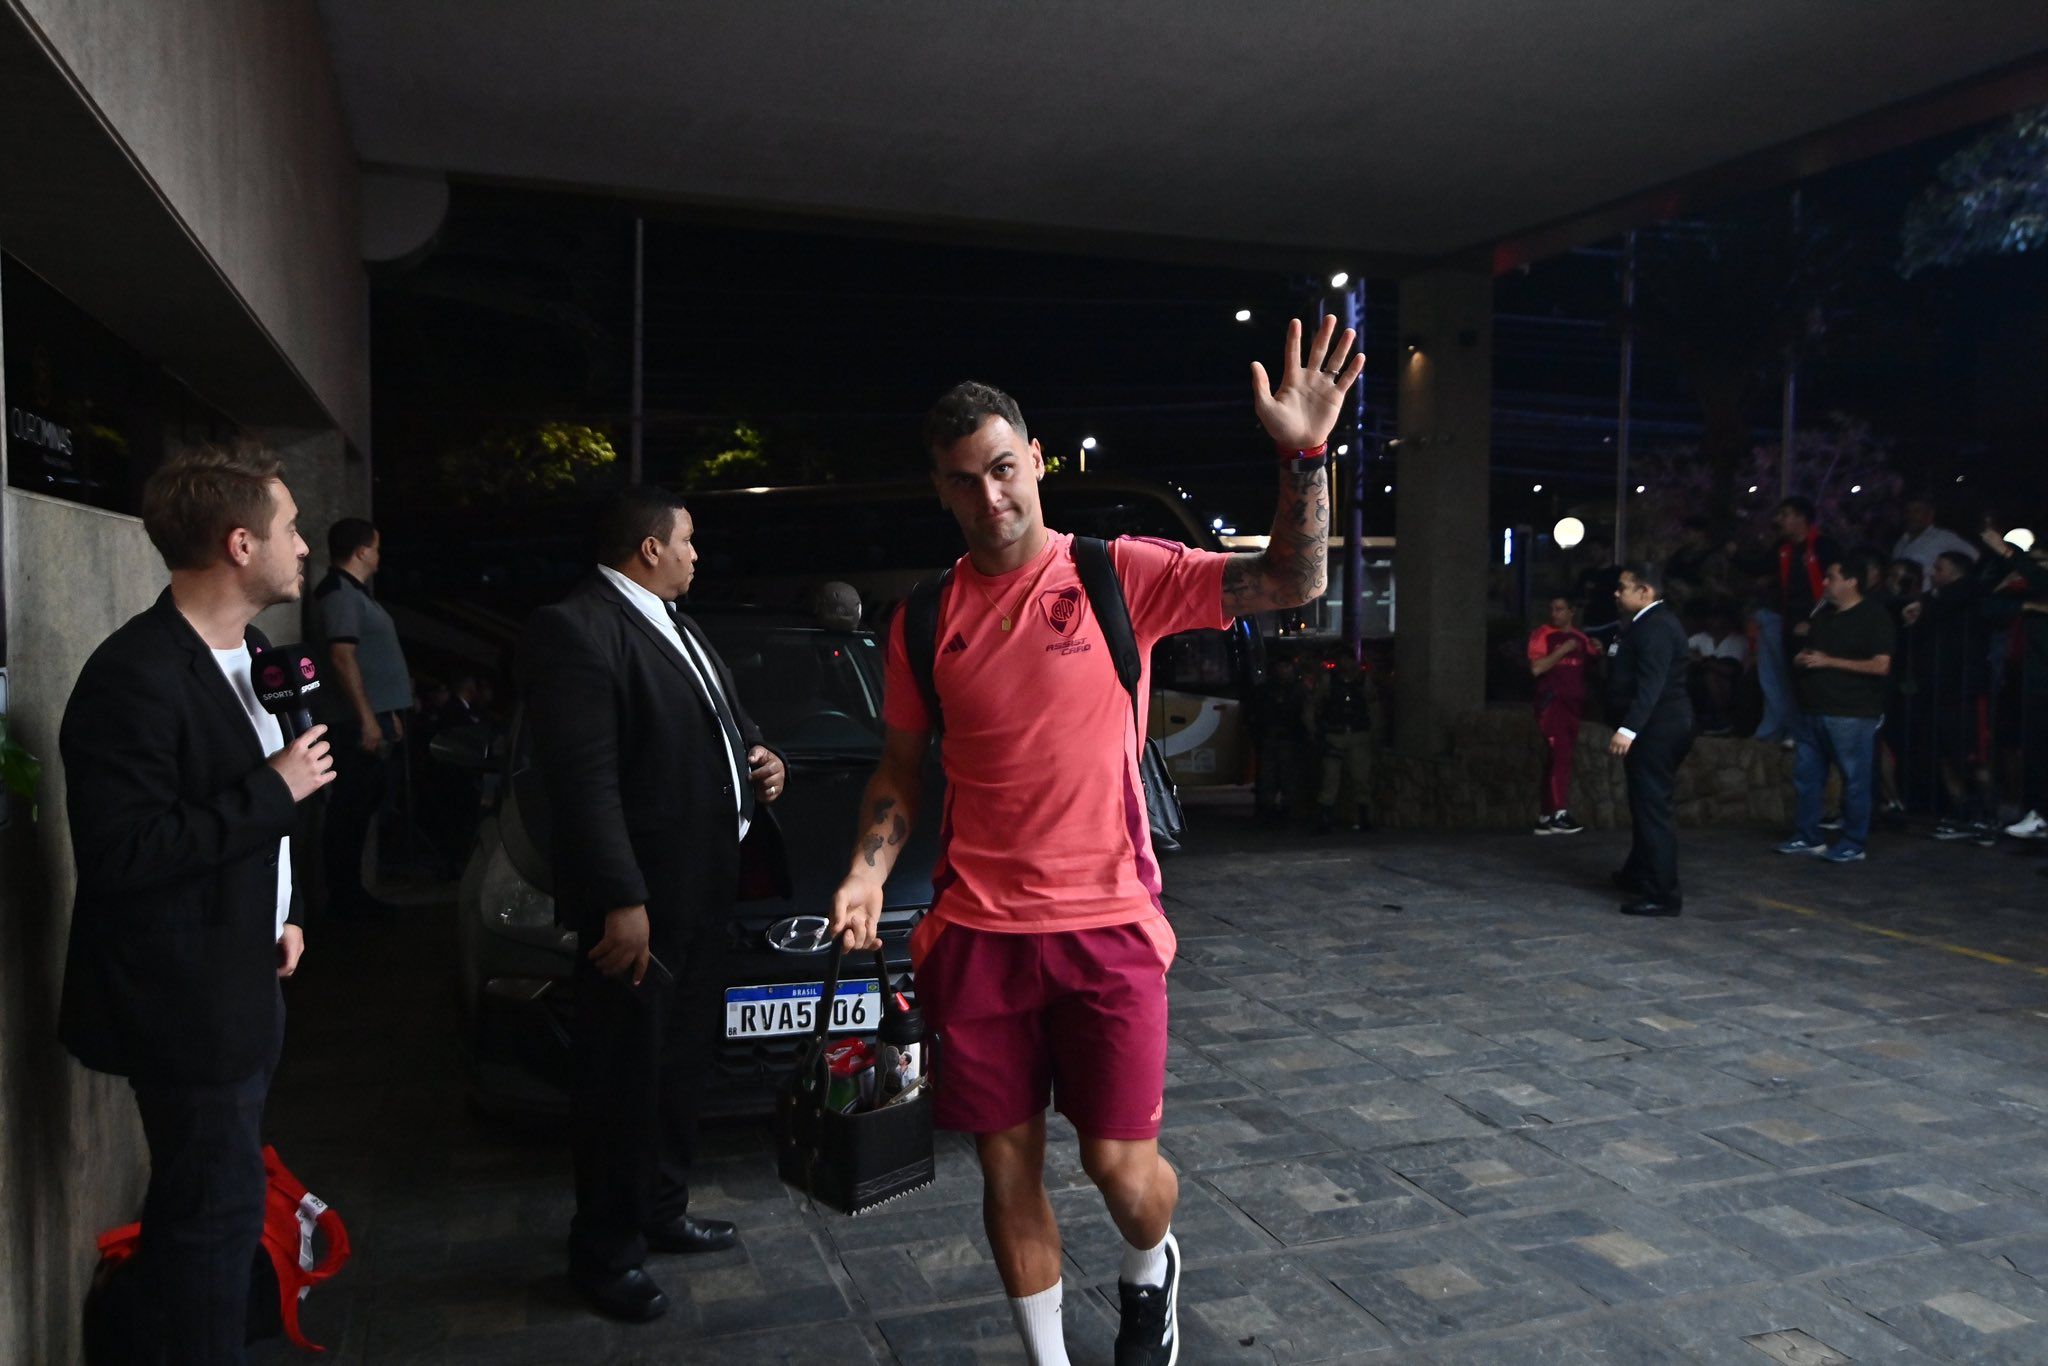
[1042, 965]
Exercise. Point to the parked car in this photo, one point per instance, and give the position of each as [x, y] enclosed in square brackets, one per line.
[817, 695]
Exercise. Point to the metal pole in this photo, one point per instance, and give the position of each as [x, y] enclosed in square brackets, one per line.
[1791, 403]
[639, 419]
[1628, 358]
[1790, 412]
[1353, 467]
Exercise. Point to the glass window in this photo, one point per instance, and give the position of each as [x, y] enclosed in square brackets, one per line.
[807, 689]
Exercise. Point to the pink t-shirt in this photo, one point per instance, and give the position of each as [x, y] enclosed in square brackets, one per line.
[1044, 825]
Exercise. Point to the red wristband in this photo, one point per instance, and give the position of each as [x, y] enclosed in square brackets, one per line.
[1315, 453]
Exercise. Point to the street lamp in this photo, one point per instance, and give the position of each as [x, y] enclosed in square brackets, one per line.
[1568, 532]
[1339, 280]
[1243, 315]
[1087, 445]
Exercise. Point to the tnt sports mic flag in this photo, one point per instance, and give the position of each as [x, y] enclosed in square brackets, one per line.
[285, 678]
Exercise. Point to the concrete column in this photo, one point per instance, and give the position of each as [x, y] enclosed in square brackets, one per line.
[1440, 503]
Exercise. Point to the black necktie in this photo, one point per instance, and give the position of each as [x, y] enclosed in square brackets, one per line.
[700, 662]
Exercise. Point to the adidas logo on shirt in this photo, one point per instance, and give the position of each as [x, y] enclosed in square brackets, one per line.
[955, 645]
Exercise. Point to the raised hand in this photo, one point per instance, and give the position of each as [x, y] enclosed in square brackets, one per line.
[1301, 412]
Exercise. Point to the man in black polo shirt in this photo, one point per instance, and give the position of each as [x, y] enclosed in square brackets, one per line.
[369, 693]
[1840, 678]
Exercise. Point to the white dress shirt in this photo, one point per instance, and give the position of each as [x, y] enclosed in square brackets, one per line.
[656, 611]
[270, 735]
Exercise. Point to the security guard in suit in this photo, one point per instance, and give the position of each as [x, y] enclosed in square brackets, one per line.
[1648, 684]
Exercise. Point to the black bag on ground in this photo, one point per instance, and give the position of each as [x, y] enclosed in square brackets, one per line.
[1106, 595]
[850, 1162]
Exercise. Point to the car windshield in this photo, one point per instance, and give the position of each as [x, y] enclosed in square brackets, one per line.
[812, 692]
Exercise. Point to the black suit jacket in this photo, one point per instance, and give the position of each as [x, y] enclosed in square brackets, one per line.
[175, 823]
[1647, 682]
[633, 764]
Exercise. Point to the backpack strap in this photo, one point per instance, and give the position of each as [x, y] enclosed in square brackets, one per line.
[921, 640]
[1106, 595]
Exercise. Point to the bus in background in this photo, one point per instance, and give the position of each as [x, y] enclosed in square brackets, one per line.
[774, 547]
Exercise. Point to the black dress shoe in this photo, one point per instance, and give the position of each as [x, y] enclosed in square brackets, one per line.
[1651, 908]
[630, 1295]
[687, 1233]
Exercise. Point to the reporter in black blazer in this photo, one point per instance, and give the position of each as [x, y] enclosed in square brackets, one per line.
[653, 772]
[180, 792]
[1647, 682]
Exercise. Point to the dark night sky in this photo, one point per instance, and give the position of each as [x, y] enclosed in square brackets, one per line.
[833, 342]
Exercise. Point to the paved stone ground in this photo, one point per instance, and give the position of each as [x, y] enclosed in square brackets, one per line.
[1431, 1100]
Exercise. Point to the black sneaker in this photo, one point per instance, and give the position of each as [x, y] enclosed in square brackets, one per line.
[1150, 1332]
[1953, 830]
[1563, 824]
[1984, 834]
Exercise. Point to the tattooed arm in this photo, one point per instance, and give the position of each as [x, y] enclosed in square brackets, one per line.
[1294, 566]
[888, 810]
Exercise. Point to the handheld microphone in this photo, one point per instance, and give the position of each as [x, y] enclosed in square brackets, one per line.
[286, 679]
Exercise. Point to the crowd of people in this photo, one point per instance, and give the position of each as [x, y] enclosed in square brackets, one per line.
[1917, 672]
[1315, 725]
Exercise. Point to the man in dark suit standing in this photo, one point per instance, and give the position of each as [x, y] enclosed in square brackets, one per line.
[181, 790]
[1648, 684]
[655, 779]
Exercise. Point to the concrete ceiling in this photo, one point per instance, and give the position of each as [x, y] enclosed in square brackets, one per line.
[1388, 130]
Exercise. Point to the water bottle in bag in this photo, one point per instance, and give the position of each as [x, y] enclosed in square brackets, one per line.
[902, 1059]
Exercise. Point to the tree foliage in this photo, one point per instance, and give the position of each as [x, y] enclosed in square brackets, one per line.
[20, 771]
[1989, 199]
[515, 464]
[740, 459]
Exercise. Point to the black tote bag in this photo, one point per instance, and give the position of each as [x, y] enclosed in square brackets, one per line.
[855, 1162]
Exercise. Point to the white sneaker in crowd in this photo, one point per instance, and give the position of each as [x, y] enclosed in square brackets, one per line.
[2031, 826]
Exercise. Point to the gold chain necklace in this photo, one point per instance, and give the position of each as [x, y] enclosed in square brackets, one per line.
[1031, 583]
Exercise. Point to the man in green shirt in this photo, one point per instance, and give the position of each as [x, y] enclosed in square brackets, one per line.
[1840, 676]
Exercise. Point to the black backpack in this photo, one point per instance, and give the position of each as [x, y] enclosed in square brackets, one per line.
[1106, 595]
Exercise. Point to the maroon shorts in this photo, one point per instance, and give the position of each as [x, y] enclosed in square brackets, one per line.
[1076, 1018]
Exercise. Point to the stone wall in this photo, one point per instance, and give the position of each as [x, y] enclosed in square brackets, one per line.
[72, 1161]
[1491, 775]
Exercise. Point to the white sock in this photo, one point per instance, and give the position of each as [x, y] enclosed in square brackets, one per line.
[1039, 1324]
[1144, 1266]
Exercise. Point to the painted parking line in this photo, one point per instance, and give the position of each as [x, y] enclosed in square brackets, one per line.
[1926, 941]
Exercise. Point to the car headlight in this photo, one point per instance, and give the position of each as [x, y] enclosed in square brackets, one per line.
[511, 904]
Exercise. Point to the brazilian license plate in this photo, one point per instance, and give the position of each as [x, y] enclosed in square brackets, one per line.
[787, 1008]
